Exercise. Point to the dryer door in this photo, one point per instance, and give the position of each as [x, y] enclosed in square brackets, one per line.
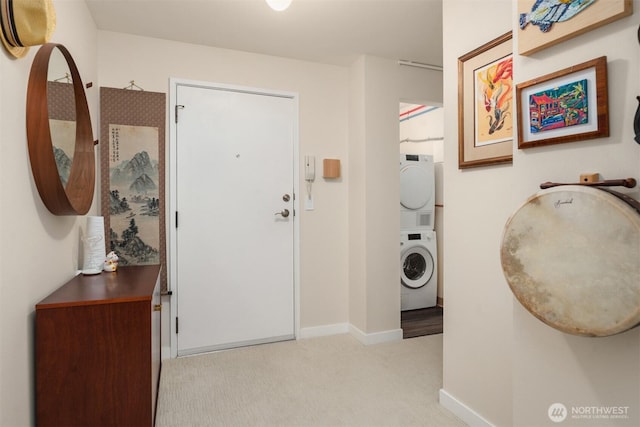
[417, 267]
[416, 187]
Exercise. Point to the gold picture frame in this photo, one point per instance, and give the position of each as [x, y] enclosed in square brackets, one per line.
[565, 106]
[485, 104]
[536, 33]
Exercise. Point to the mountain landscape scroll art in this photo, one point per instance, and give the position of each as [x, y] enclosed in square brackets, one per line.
[134, 200]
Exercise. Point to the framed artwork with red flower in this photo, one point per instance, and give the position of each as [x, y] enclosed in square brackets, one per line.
[485, 104]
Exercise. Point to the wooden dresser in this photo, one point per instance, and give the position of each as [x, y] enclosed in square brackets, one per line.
[97, 350]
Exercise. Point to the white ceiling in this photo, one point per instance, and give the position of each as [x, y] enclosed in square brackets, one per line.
[327, 31]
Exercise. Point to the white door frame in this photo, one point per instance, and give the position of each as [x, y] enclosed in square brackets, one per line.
[172, 205]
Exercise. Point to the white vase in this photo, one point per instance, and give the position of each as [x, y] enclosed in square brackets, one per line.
[94, 248]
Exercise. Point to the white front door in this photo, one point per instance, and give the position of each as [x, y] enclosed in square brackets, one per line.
[234, 198]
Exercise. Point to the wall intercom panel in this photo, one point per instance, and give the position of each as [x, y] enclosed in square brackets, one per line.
[309, 167]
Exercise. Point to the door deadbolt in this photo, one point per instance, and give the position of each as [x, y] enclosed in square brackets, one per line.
[286, 197]
[284, 213]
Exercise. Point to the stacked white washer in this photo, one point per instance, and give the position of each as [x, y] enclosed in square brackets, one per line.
[418, 246]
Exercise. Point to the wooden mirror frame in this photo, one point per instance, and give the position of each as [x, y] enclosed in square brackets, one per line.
[77, 197]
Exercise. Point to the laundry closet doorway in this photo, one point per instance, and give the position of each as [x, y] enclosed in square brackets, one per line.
[421, 138]
[233, 233]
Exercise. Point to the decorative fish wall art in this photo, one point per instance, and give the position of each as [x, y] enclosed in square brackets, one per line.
[545, 13]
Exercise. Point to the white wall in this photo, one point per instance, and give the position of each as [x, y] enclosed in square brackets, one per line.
[374, 220]
[550, 366]
[39, 251]
[323, 131]
[325, 126]
[429, 124]
[499, 361]
[357, 199]
[381, 181]
[376, 87]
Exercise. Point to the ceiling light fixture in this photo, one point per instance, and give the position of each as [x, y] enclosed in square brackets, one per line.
[278, 5]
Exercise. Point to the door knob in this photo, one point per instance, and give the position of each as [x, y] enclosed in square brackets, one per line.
[284, 213]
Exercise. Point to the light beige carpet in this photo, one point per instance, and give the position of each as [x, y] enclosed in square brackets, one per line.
[327, 381]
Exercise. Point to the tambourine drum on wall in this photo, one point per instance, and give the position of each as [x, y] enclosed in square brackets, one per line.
[571, 255]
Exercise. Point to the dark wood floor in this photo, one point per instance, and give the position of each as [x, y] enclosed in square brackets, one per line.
[424, 321]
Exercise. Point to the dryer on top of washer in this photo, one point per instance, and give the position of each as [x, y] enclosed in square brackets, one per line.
[417, 192]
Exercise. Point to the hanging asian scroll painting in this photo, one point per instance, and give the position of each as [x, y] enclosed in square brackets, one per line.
[132, 175]
[134, 199]
[544, 23]
[494, 102]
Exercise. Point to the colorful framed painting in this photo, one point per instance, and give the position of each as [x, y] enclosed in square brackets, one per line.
[485, 104]
[544, 23]
[566, 106]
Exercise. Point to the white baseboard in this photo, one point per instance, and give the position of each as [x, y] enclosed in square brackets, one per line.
[324, 330]
[376, 337]
[343, 328]
[335, 329]
[462, 411]
[165, 352]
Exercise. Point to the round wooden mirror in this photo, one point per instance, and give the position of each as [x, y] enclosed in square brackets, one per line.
[59, 133]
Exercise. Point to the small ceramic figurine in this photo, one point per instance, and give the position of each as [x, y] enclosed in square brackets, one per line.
[111, 262]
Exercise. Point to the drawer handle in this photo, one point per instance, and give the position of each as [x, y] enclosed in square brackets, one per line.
[157, 307]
